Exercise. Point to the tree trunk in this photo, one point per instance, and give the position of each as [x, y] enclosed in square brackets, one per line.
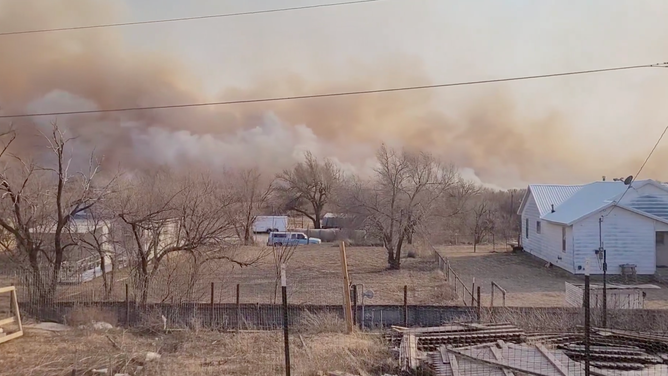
[247, 235]
[316, 220]
[103, 270]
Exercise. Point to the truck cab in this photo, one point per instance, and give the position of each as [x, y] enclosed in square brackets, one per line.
[281, 238]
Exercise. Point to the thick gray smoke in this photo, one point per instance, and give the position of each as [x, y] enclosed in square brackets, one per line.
[95, 69]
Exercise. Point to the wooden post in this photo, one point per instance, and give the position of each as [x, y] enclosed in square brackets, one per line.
[355, 305]
[211, 307]
[347, 309]
[286, 327]
[406, 306]
[479, 308]
[473, 292]
[238, 302]
[127, 305]
[491, 302]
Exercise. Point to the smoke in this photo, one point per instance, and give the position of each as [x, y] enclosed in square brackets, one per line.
[484, 132]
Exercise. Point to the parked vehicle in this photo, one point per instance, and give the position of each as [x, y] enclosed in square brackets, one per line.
[290, 238]
[270, 223]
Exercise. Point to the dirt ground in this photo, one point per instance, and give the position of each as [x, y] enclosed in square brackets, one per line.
[525, 278]
[189, 353]
[313, 275]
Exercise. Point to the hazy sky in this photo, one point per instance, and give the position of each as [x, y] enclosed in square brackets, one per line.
[570, 129]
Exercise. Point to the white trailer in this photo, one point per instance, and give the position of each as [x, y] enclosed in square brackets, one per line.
[270, 223]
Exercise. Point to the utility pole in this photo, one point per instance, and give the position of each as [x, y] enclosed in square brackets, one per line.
[605, 272]
[587, 329]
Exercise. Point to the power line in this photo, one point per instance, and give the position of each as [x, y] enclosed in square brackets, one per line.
[180, 19]
[329, 95]
[656, 145]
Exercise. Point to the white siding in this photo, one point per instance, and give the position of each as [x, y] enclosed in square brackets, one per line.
[552, 248]
[547, 244]
[647, 189]
[531, 212]
[628, 238]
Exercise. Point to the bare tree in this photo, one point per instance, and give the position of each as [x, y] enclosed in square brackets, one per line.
[252, 193]
[102, 239]
[168, 215]
[282, 255]
[307, 188]
[38, 203]
[401, 197]
[480, 221]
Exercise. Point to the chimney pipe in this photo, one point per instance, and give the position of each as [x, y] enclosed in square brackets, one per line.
[552, 208]
[603, 177]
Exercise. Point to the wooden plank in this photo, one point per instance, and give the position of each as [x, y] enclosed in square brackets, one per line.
[555, 362]
[497, 354]
[454, 365]
[17, 313]
[9, 337]
[412, 351]
[10, 320]
[7, 289]
[347, 304]
[497, 364]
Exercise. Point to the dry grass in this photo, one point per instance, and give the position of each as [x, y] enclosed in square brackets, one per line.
[526, 279]
[189, 353]
[314, 277]
[82, 315]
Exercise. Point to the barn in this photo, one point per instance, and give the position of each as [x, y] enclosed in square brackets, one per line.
[564, 225]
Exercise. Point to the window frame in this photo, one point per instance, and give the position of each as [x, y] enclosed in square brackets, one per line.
[538, 227]
[526, 228]
[563, 239]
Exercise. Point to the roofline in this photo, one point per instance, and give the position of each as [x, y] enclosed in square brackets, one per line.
[524, 200]
[571, 223]
[644, 183]
[628, 208]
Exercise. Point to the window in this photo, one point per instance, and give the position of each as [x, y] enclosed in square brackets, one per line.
[294, 236]
[526, 228]
[563, 239]
[659, 238]
[301, 236]
[537, 227]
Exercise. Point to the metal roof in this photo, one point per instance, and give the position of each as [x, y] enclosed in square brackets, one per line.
[590, 198]
[547, 195]
[574, 202]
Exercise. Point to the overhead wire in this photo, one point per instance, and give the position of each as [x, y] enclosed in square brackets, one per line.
[633, 179]
[182, 19]
[327, 95]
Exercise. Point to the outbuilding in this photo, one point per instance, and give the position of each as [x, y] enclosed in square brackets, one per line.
[566, 224]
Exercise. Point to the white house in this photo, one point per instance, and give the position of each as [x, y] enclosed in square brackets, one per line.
[560, 224]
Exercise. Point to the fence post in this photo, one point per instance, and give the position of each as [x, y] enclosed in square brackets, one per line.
[473, 292]
[212, 313]
[491, 303]
[587, 339]
[238, 309]
[479, 308]
[406, 306]
[354, 291]
[286, 338]
[127, 305]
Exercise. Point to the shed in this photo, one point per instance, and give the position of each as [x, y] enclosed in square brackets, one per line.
[619, 296]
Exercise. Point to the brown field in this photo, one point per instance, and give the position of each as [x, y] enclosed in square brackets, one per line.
[527, 282]
[313, 274]
[190, 353]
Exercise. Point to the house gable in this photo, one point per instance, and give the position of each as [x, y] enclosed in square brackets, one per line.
[547, 195]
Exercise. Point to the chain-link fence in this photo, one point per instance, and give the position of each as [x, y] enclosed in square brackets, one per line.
[448, 311]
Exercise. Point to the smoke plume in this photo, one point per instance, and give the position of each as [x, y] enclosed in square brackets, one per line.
[484, 132]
